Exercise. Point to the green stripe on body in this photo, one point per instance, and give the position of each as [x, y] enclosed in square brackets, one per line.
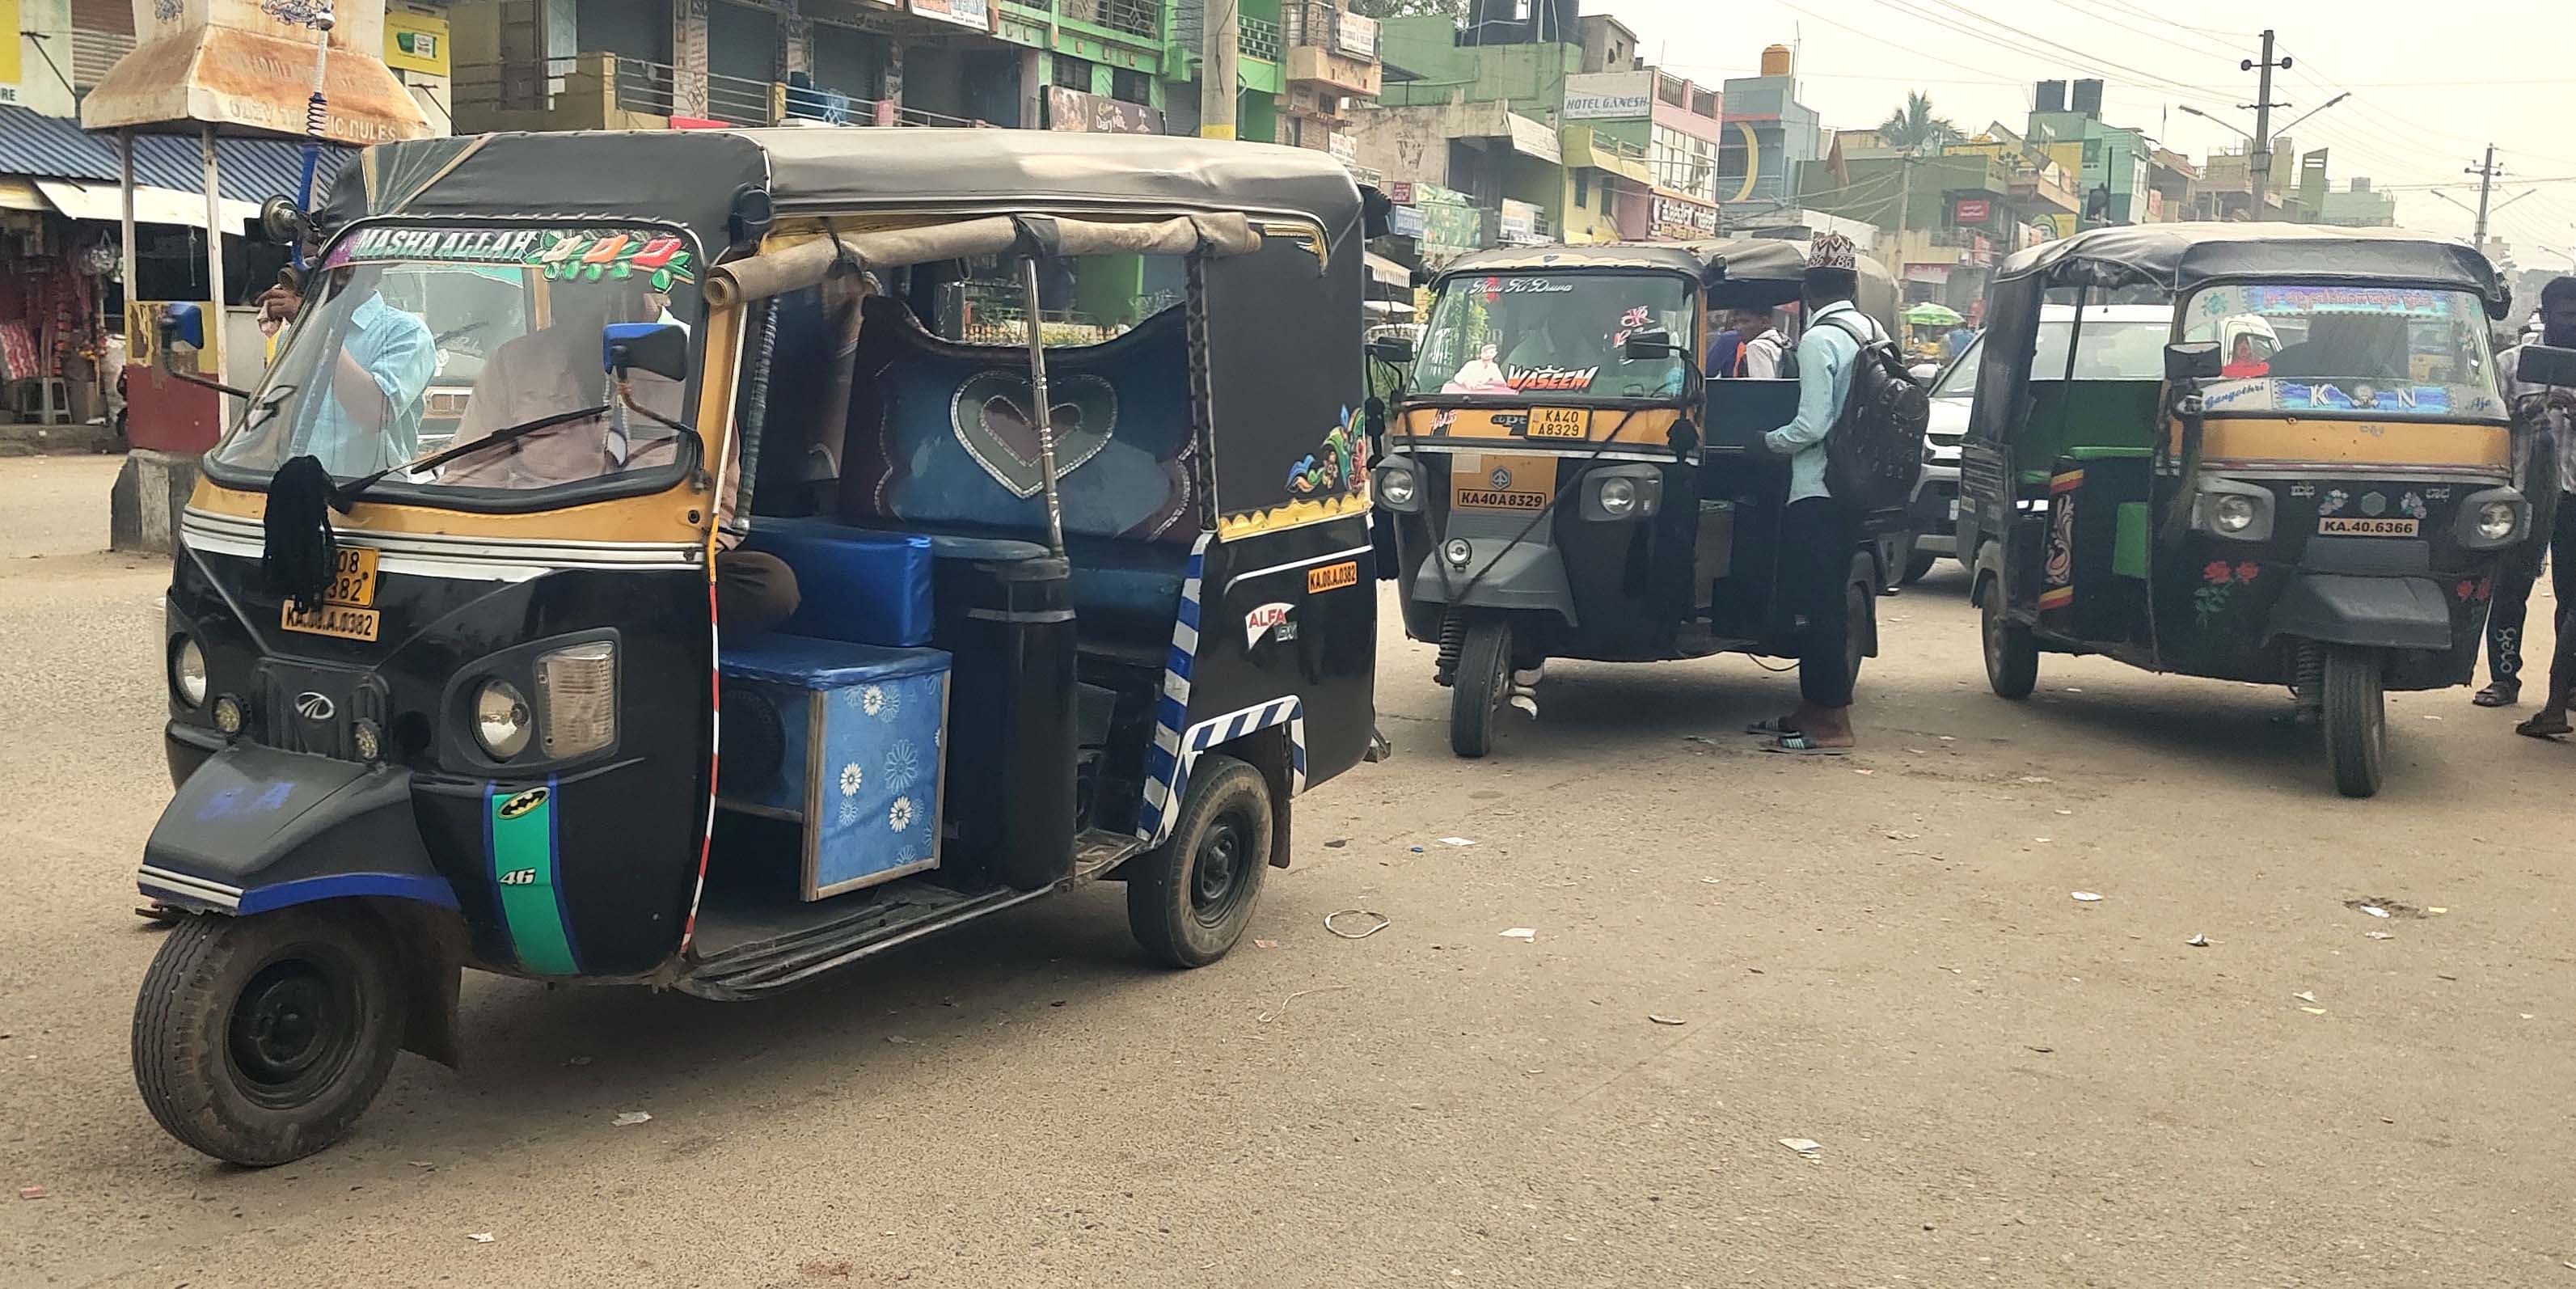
[523, 871]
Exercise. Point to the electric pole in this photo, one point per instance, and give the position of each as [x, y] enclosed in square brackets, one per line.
[1219, 81]
[2486, 173]
[2259, 158]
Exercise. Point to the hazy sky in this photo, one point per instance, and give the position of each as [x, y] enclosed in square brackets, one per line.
[2433, 81]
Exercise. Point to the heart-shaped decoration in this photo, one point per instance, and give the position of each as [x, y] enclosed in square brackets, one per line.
[991, 418]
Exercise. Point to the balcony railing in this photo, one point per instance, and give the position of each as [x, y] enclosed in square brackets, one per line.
[610, 91]
[1314, 23]
[1256, 37]
[1135, 17]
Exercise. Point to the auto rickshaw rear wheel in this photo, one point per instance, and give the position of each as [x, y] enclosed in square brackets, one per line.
[2012, 654]
[260, 1040]
[2355, 720]
[1190, 899]
[1484, 680]
[1860, 626]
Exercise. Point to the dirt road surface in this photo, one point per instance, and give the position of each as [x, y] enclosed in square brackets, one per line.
[1881, 955]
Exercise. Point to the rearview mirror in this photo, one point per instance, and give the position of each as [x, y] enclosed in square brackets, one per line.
[1391, 349]
[658, 347]
[1924, 372]
[182, 323]
[1647, 346]
[2545, 365]
[2193, 360]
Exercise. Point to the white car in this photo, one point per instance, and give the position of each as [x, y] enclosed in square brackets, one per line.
[2121, 342]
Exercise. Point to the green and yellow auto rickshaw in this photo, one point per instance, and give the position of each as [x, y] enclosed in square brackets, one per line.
[2316, 493]
[1055, 434]
[1564, 481]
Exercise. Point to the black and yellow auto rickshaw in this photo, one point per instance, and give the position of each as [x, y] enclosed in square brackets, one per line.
[1055, 433]
[2324, 510]
[1564, 480]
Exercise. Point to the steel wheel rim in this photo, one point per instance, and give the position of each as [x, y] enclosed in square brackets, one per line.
[293, 1028]
[1218, 870]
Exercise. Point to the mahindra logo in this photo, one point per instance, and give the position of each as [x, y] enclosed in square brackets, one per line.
[314, 707]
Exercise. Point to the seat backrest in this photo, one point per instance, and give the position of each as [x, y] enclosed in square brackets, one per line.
[941, 434]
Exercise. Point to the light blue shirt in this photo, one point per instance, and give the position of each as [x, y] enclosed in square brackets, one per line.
[396, 349]
[1827, 357]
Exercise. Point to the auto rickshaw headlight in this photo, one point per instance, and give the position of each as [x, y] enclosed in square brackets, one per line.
[2497, 520]
[188, 672]
[1398, 487]
[2232, 512]
[228, 715]
[1618, 497]
[502, 721]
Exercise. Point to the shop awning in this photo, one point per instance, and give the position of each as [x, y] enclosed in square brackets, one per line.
[18, 194]
[35, 146]
[1387, 272]
[248, 70]
[152, 205]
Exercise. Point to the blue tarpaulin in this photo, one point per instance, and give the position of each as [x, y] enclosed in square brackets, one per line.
[36, 146]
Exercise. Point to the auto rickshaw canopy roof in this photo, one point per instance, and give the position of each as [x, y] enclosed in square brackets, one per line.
[2180, 257]
[692, 177]
[1751, 272]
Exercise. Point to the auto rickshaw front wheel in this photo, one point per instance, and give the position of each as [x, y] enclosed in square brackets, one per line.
[2012, 653]
[1482, 683]
[2355, 720]
[1189, 900]
[260, 1040]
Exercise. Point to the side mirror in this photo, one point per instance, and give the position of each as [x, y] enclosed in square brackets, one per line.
[2545, 365]
[1924, 372]
[2193, 360]
[182, 323]
[1647, 346]
[657, 347]
[282, 222]
[1396, 349]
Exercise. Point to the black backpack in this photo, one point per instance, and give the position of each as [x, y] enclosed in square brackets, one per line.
[1874, 452]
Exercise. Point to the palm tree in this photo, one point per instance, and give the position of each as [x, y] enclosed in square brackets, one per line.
[1913, 130]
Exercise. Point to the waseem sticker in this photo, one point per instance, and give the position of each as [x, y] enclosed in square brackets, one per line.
[1261, 621]
[1333, 577]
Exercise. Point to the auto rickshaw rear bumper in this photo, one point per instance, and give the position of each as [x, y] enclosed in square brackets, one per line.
[253, 829]
[2374, 612]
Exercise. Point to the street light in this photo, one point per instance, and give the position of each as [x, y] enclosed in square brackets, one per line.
[2188, 108]
[2313, 111]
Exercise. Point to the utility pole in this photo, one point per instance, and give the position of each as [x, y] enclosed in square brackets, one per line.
[1219, 81]
[2259, 158]
[2486, 173]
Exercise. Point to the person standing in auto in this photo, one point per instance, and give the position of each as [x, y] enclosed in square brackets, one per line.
[557, 369]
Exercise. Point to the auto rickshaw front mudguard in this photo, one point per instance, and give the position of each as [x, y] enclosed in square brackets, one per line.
[2370, 612]
[252, 830]
[1508, 569]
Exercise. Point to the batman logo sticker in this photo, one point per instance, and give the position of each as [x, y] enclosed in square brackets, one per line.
[522, 803]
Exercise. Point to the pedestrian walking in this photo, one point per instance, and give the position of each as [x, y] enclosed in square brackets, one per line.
[2545, 429]
[1819, 531]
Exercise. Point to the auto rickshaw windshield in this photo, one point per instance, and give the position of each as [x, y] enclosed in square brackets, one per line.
[1522, 335]
[412, 340]
[2387, 351]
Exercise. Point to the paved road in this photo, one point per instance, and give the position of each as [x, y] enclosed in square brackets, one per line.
[2009, 1087]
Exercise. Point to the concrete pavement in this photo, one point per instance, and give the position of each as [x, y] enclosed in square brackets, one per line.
[1879, 954]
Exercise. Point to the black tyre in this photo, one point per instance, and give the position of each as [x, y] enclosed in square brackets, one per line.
[260, 1040]
[2012, 655]
[1917, 563]
[1484, 680]
[2355, 720]
[1189, 900]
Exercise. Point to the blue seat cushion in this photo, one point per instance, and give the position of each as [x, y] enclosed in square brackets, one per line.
[808, 663]
[854, 584]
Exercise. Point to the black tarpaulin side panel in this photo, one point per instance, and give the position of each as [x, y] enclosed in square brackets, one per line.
[1284, 374]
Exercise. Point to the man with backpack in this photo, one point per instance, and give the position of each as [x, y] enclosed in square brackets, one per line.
[1819, 532]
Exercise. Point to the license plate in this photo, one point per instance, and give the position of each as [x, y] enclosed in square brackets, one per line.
[341, 620]
[353, 581]
[344, 610]
[1560, 423]
[2361, 526]
[1487, 499]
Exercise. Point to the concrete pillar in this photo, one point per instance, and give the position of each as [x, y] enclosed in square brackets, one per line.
[689, 57]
